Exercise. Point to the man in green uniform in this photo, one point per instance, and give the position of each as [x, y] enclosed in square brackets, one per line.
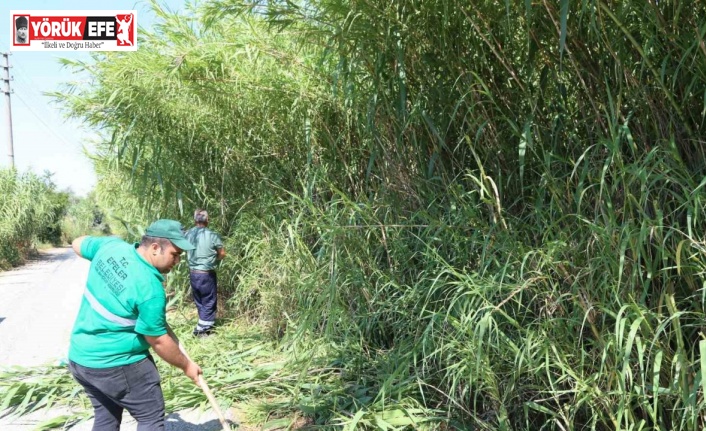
[203, 260]
[122, 315]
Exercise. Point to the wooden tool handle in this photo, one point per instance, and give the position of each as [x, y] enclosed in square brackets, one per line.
[214, 403]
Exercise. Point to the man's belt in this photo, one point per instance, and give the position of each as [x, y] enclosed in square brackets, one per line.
[202, 271]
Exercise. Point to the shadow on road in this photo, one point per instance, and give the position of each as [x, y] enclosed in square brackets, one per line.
[79, 421]
[174, 422]
[53, 257]
[59, 254]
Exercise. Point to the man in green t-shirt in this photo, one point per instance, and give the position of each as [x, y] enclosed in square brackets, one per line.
[122, 315]
[203, 260]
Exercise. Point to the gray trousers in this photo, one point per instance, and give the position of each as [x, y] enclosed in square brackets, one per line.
[135, 387]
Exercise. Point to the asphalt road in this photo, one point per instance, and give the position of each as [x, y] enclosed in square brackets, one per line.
[38, 305]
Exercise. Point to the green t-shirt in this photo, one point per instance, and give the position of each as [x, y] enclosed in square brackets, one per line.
[123, 301]
[207, 243]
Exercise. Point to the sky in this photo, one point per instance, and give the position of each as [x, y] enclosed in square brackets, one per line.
[43, 138]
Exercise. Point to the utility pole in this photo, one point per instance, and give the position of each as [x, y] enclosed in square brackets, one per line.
[6, 90]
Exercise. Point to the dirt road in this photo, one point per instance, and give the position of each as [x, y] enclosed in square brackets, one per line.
[38, 305]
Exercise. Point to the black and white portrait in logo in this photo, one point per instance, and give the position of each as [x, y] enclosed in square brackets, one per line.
[21, 30]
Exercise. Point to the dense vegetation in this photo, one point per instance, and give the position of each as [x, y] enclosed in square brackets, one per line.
[82, 216]
[30, 211]
[33, 213]
[480, 215]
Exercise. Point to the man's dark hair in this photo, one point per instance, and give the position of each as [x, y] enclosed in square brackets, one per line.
[200, 216]
[147, 240]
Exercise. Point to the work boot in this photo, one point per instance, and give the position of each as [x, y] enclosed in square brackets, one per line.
[203, 332]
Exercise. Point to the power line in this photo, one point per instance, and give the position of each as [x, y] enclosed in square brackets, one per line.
[26, 92]
[27, 85]
[41, 120]
[23, 83]
[32, 102]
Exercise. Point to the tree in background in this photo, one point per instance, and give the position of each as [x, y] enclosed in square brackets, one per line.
[50, 233]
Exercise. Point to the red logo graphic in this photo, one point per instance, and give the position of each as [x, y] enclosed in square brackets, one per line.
[126, 30]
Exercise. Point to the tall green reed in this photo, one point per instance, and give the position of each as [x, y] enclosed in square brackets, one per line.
[27, 207]
[493, 211]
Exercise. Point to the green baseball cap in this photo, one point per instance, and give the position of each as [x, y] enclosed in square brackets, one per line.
[171, 230]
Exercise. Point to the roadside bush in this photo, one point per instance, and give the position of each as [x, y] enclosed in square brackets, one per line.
[28, 204]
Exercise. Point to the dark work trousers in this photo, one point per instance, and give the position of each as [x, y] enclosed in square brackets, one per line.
[134, 387]
[204, 287]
